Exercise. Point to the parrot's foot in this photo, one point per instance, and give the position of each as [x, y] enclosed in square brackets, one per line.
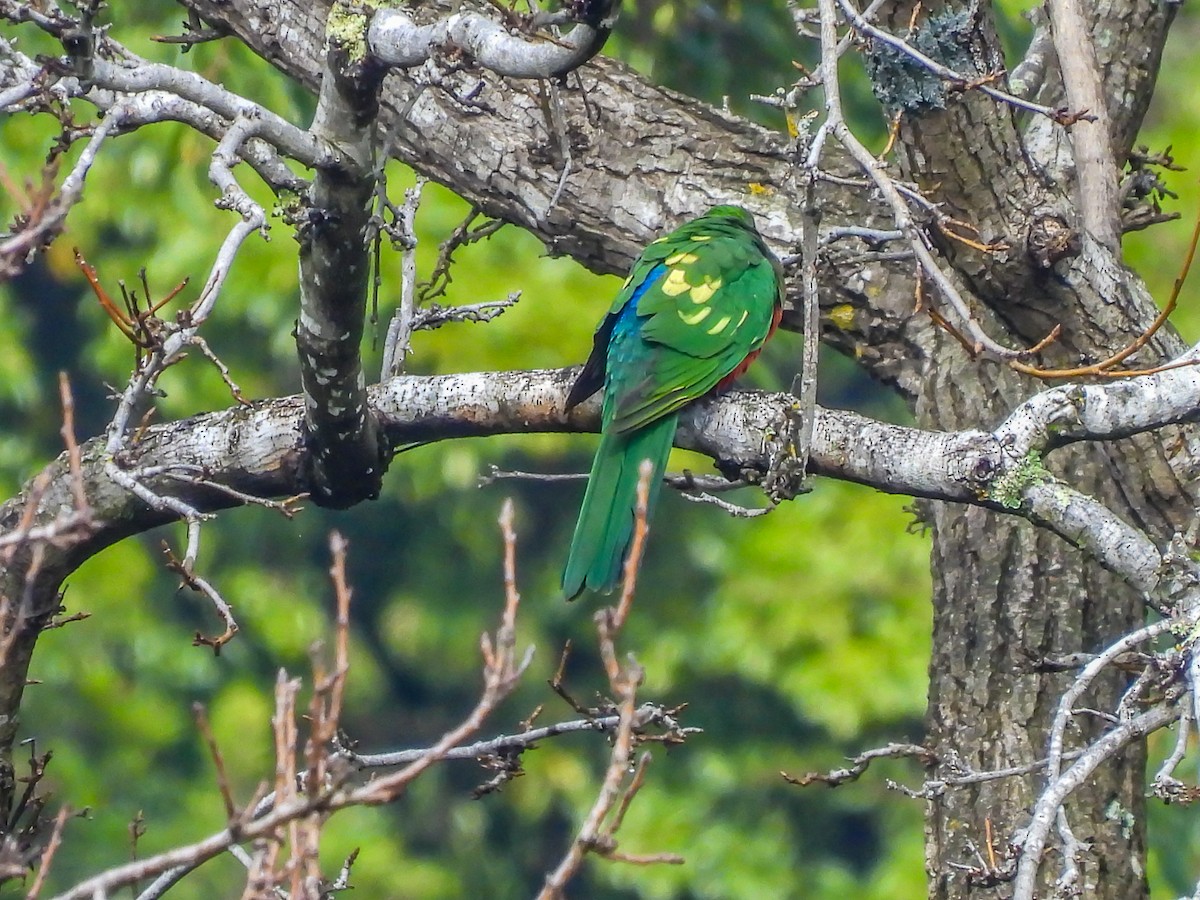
[786, 476]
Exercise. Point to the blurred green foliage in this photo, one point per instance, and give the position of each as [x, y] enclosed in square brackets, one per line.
[796, 639]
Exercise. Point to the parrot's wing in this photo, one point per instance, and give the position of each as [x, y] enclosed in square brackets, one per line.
[709, 310]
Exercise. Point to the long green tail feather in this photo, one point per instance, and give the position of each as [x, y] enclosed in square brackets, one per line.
[605, 527]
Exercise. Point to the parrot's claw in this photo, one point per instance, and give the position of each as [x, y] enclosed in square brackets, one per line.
[785, 477]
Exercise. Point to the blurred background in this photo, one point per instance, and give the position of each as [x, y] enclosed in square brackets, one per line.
[797, 638]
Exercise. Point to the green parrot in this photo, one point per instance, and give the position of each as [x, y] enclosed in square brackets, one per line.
[693, 314]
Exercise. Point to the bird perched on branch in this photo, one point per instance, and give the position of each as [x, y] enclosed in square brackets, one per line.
[693, 314]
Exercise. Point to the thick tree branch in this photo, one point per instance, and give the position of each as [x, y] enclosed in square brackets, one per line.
[645, 158]
[260, 451]
[395, 39]
[347, 464]
[1095, 162]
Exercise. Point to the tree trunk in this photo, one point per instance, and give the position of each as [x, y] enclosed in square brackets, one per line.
[1008, 598]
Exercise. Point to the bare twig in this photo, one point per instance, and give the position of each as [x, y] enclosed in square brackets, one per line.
[47, 859]
[558, 121]
[501, 673]
[1091, 136]
[624, 680]
[1106, 368]
[807, 392]
[399, 334]
[73, 455]
[860, 763]
[979, 340]
[218, 759]
[1046, 810]
[733, 509]
[1165, 785]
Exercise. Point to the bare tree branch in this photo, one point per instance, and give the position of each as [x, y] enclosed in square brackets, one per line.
[396, 40]
[1094, 158]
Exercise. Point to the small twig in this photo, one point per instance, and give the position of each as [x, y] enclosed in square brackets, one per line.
[190, 579]
[1165, 785]
[667, 730]
[1083, 681]
[218, 759]
[564, 147]
[435, 316]
[342, 882]
[1046, 809]
[624, 681]
[399, 334]
[860, 764]
[733, 509]
[462, 236]
[342, 594]
[873, 237]
[73, 455]
[556, 684]
[807, 393]
[1069, 853]
[633, 561]
[207, 352]
[501, 673]
[639, 778]
[590, 832]
[495, 474]
[52, 846]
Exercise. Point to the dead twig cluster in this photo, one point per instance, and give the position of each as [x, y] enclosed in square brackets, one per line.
[417, 309]
[1164, 692]
[598, 832]
[159, 344]
[945, 305]
[277, 832]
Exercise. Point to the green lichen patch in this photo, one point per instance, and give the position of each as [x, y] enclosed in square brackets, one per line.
[347, 24]
[1010, 486]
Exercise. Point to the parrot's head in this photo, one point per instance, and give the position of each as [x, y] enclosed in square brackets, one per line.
[735, 213]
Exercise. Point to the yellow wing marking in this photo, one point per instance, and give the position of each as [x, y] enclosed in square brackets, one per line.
[675, 283]
[720, 326]
[701, 237]
[685, 258]
[702, 292]
[695, 318]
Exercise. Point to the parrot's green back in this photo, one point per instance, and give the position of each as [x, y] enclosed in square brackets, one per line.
[694, 312]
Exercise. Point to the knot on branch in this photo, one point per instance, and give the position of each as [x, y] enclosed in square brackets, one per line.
[1051, 240]
[785, 475]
